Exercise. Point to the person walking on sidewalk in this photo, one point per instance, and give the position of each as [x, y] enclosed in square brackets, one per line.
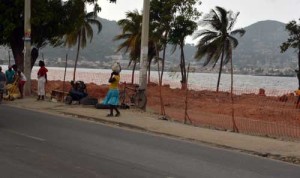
[42, 80]
[112, 97]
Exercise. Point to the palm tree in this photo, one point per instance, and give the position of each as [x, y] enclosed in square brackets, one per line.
[218, 41]
[131, 37]
[293, 42]
[162, 15]
[182, 28]
[82, 30]
[183, 25]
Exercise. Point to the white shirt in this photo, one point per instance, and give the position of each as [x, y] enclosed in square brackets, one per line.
[22, 77]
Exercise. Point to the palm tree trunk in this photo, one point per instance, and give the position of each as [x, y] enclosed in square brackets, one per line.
[183, 69]
[163, 58]
[186, 115]
[163, 63]
[298, 73]
[133, 70]
[149, 70]
[160, 81]
[9, 58]
[298, 76]
[235, 129]
[220, 70]
[162, 106]
[77, 55]
[65, 72]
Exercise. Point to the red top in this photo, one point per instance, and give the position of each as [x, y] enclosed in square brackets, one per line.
[42, 71]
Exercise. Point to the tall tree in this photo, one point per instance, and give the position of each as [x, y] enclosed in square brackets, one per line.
[131, 37]
[50, 21]
[293, 41]
[162, 15]
[217, 41]
[82, 29]
[47, 19]
[183, 25]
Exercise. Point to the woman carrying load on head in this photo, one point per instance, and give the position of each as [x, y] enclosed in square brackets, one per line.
[42, 79]
[112, 97]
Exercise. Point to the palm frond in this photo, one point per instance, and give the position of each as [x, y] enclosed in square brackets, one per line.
[89, 31]
[124, 46]
[201, 33]
[217, 54]
[212, 20]
[233, 41]
[232, 20]
[122, 36]
[83, 29]
[173, 48]
[90, 15]
[131, 33]
[223, 17]
[208, 38]
[83, 38]
[97, 23]
[240, 32]
[228, 47]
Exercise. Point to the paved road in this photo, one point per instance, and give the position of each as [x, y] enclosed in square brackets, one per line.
[33, 144]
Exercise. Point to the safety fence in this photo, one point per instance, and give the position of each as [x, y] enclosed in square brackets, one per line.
[271, 113]
[274, 115]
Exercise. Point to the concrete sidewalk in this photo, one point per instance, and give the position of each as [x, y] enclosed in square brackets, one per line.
[267, 147]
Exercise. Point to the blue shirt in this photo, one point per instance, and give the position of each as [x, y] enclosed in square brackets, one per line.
[2, 77]
[10, 76]
[2, 80]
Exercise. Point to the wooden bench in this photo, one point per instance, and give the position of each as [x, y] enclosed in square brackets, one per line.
[59, 95]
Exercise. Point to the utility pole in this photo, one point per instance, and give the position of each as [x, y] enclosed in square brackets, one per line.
[144, 46]
[27, 47]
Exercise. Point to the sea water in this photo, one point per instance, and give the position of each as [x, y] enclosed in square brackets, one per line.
[196, 81]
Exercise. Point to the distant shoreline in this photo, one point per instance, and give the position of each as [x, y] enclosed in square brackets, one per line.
[268, 75]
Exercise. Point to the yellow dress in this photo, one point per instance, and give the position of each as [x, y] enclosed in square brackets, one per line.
[112, 97]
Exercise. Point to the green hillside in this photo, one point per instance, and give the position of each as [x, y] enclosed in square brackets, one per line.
[102, 44]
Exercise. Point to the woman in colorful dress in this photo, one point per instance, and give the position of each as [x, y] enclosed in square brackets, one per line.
[112, 97]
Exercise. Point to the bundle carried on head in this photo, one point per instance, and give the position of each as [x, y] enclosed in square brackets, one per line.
[116, 67]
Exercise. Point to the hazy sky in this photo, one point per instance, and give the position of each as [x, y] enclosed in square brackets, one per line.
[251, 11]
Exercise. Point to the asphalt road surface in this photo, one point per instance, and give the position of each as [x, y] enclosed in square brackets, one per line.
[34, 144]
